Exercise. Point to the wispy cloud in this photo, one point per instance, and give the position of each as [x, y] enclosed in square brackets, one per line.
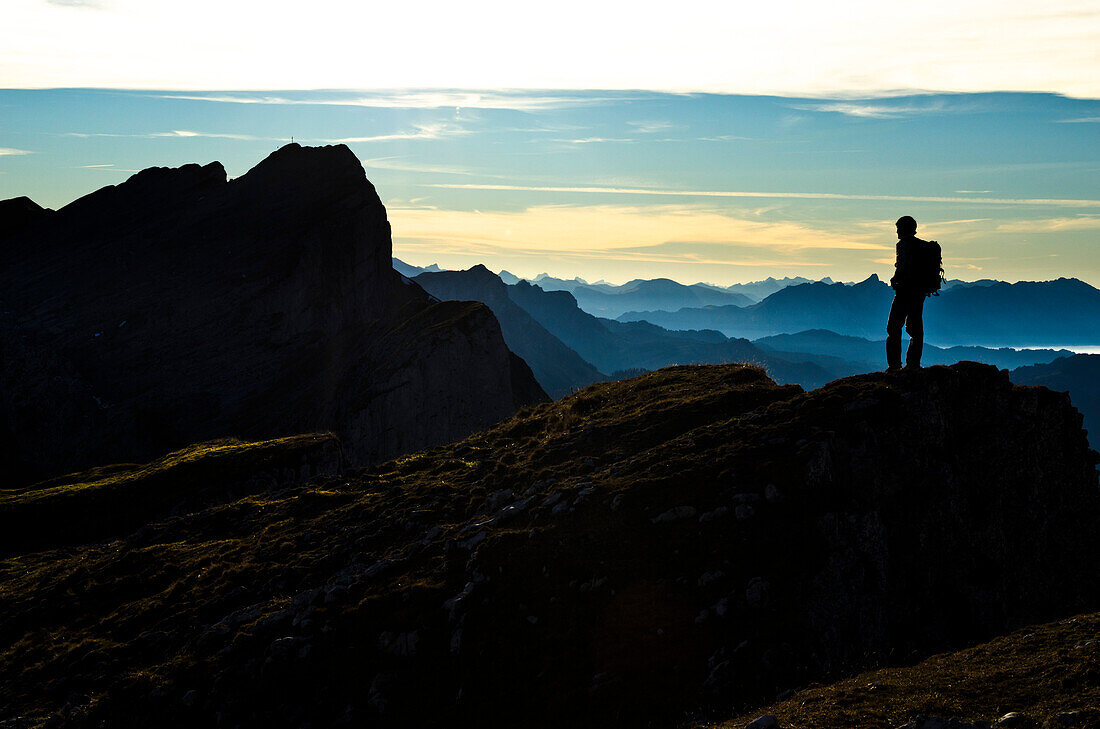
[412, 99]
[106, 168]
[598, 140]
[76, 3]
[1081, 120]
[724, 138]
[972, 192]
[651, 127]
[1050, 225]
[873, 110]
[434, 130]
[12, 152]
[402, 164]
[175, 134]
[779, 195]
[186, 133]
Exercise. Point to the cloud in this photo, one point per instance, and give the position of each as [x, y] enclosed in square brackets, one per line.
[76, 3]
[412, 99]
[779, 195]
[186, 133]
[725, 138]
[598, 140]
[808, 49]
[1051, 225]
[399, 163]
[11, 152]
[651, 127]
[869, 110]
[434, 130]
[106, 168]
[1081, 120]
[176, 134]
[622, 230]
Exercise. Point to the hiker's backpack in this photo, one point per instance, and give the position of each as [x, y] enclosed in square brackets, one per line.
[929, 274]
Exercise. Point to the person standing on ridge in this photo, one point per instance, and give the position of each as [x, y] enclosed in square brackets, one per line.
[918, 274]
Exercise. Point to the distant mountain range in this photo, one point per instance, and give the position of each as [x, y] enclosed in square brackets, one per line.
[662, 293]
[569, 348]
[1028, 313]
[610, 300]
[529, 314]
[864, 355]
[985, 313]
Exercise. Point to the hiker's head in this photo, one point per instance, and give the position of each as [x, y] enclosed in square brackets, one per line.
[906, 226]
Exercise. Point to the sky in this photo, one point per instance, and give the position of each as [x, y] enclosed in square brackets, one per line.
[601, 140]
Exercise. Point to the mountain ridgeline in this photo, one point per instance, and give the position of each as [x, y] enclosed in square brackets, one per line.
[180, 306]
[539, 325]
[1024, 314]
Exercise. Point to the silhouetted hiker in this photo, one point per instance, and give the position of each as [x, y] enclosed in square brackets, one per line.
[918, 274]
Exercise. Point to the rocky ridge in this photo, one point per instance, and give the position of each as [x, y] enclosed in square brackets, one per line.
[697, 539]
[180, 306]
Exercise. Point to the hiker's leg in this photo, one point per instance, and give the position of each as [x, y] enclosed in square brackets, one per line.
[893, 331]
[914, 324]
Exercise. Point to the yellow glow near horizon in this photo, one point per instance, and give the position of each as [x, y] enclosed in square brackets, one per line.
[615, 240]
[807, 48]
[607, 228]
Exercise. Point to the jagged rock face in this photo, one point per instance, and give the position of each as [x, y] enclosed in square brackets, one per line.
[179, 306]
[558, 368]
[694, 538]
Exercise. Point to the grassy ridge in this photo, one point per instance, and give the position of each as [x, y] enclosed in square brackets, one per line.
[104, 501]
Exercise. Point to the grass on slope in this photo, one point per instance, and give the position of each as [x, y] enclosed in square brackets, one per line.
[1039, 671]
[101, 501]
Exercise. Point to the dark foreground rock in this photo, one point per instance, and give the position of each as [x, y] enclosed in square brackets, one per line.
[179, 307]
[1043, 677]
[694, 540]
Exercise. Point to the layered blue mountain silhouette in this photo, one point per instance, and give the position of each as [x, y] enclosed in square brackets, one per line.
[1025, 314]
[548, 329]
[804, 332]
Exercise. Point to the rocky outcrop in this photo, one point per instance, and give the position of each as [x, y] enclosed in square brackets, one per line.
[179, 306]
[695, 539]
[557, 368]
[1079, 375]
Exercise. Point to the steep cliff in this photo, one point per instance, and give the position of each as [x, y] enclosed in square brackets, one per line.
[557, 368]
[696, 538]
[1079, 375]
[179, 306]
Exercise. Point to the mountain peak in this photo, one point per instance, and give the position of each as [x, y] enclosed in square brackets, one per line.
[17, 213]
[148, 191]
[293, 156]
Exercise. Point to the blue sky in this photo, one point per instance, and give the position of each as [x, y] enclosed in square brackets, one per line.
[708, 141]
[620, 184]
